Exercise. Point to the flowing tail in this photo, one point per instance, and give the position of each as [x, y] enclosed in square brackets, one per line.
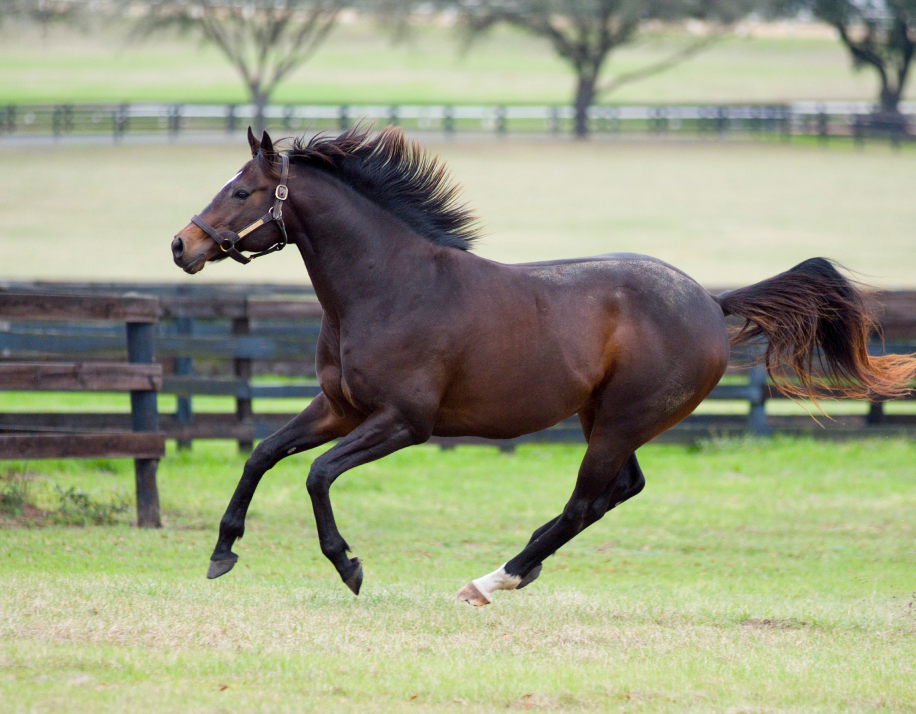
[817, 323]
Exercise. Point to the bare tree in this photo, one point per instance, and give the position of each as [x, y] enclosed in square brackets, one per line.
[586, 32]
[43, 12]
[265, 40]
[880, 34]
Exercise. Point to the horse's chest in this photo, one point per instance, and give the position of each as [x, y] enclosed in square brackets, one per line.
[345, 376]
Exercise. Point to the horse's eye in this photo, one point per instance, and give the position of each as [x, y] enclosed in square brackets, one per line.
[241, 194]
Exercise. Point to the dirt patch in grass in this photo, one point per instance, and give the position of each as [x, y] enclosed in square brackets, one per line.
[775, 624]
[28, 516]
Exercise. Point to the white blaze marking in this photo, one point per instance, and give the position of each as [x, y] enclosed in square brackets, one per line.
[497, 580]
[231, 180]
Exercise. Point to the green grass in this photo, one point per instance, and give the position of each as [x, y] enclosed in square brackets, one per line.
[360, 65]
[748, 577]
[101, 402]
[727, 214]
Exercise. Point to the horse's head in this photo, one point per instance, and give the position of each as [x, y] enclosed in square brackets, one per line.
[246, 214]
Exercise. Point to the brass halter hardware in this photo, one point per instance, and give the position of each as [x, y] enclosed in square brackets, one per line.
[227, 239]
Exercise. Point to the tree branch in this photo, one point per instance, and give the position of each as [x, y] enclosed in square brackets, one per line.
[651, 70]
[908, 48]
[862, 53]
[216, 34]
[307, 40]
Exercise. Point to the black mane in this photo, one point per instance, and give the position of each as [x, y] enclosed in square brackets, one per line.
[398, 176]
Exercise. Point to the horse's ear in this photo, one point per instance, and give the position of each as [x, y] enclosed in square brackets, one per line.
[267, 146]
[253, 143]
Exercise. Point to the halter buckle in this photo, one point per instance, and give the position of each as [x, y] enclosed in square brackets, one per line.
[282, 192]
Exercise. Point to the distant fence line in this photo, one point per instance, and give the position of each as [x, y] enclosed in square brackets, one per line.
[822, 119]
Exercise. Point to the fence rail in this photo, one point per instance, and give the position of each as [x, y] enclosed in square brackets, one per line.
[67, 436]
[227, 340]
[823, 119]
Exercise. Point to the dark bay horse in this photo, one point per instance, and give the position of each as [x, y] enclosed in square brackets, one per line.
[421, 337]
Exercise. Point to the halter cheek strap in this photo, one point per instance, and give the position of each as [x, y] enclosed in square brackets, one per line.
[227, 240]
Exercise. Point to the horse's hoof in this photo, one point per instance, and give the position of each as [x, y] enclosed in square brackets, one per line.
[530, 577]
[472, 596]
[355, 581]
[220, 567]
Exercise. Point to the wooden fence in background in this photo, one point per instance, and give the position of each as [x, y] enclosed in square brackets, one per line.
[857, 120]
[61, 436]
[234, 340]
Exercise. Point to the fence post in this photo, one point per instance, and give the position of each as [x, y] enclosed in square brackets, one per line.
[658, 123]
[393, 115]
[500, 120]
[722, 121]
[448, 120]
[243, 412]
[858, 130]
[822, 124]
[344, 119]
[141, 338]
[876, 414]
[174, 120]
[119, 122]
[11, 118]
[230, 119]
[757, 388]
[184, 414]
[553, 120]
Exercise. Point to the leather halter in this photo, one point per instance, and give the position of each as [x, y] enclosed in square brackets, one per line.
[227, 239]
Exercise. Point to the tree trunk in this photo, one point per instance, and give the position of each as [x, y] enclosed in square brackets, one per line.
[888, 120]
[890, 98]
[259, 99]
[585, 95]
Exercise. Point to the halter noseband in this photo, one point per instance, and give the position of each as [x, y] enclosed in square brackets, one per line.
[227, 239]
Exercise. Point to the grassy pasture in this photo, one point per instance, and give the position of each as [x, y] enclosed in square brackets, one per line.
[359, 64]
[748, 577]
[728, 214]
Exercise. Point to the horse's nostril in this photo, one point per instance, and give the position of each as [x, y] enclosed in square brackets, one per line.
[177, 247]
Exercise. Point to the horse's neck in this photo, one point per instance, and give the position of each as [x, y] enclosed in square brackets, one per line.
[352, 249]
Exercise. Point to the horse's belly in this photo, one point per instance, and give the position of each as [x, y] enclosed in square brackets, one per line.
[510, 409]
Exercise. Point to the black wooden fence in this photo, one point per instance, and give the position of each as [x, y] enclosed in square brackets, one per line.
[118, 121]
[69, 436]
[250, 342]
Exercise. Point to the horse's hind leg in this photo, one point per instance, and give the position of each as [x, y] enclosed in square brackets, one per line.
[316, 425]
[382, 433]
[608, 472]
[630, 481]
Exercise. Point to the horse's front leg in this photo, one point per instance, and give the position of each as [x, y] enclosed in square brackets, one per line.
[316, 425]
[382, 433]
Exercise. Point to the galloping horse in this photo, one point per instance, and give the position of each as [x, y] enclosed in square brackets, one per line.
[421, 337]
